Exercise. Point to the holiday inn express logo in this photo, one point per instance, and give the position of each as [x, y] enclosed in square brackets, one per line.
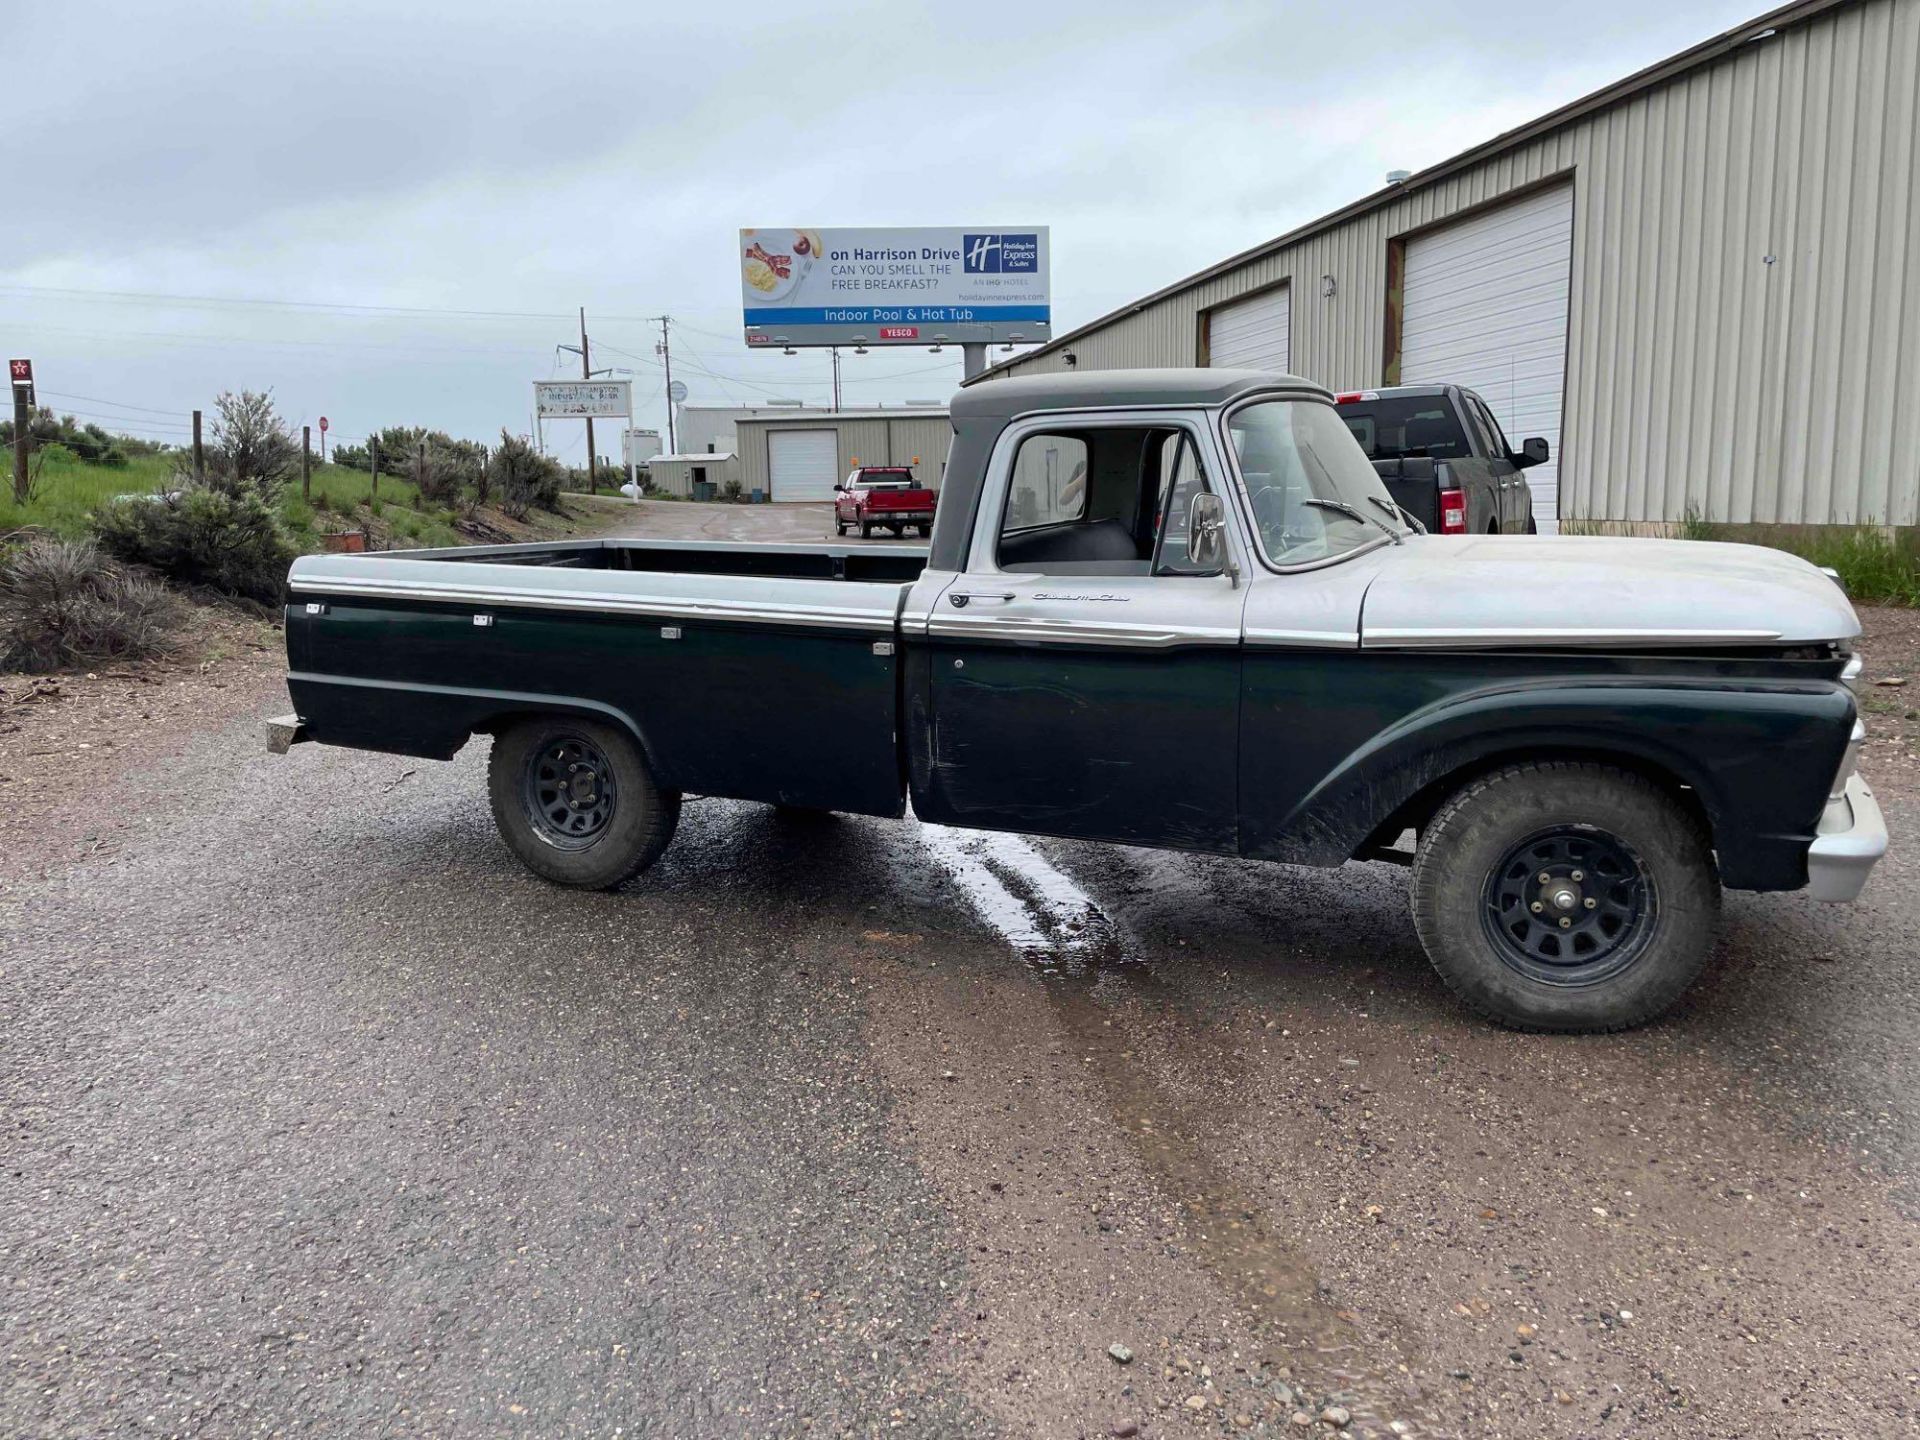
[1000, 254]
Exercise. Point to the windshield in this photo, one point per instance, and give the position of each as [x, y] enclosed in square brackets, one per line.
[1396, 426]
[1314, 494]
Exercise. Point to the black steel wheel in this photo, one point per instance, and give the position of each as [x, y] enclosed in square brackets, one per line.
[1569, 906]
[570, 791]
[576, 800]
[1565, 896]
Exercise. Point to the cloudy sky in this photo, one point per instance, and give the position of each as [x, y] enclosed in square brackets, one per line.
[388, 212]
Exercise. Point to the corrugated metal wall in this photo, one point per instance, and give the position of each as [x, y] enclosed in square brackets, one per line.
[885, 440]
[1744, 329]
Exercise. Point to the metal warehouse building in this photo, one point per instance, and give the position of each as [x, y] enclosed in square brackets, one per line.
[1701, 284]
[795, 455]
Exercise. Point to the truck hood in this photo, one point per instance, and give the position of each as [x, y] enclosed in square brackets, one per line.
[1500, 590]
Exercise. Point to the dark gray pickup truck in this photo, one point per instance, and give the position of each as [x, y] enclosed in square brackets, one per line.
[1444, 458]
[1169, 608]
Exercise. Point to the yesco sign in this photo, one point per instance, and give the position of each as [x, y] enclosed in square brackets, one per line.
[920, 286]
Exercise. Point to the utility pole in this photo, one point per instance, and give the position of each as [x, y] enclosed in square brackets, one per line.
[199, 453]
[666, 354]
[586, 373]
[834, 350]
[306, 462]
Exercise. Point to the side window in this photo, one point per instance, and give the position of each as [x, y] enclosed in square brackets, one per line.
[1496, 437]
[1049, 483]
[1181, 480]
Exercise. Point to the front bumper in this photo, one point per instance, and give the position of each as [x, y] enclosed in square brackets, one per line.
[1852, 836]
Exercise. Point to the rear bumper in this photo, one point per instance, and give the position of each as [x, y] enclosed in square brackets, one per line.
[897, 517]
[284, 732]
[1851, 839]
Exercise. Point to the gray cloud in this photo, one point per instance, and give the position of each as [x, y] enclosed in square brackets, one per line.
[497, 156]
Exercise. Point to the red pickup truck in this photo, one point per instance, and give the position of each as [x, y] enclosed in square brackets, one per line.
[876, 496]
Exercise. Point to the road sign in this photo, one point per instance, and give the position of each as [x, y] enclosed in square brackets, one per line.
[22, 371]
[323, 424]
[677, 392]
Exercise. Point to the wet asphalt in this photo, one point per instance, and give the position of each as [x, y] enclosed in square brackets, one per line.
[324, 1117]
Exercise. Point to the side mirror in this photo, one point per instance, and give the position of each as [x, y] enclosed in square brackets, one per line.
[1532, 452]
[838, 488]
[1207, 531]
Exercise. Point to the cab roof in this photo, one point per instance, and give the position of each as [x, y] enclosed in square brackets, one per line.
[1003, 399]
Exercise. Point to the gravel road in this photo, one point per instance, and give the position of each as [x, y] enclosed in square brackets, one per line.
[324, 1117]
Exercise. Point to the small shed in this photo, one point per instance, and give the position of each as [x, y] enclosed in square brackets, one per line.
[678, 474]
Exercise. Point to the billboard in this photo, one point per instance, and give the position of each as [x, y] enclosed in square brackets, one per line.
[582, 399]
[924, 285]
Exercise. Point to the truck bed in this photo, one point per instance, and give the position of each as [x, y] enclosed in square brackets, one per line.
[761, 672]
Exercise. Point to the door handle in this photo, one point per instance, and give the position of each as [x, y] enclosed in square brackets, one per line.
[960, 599]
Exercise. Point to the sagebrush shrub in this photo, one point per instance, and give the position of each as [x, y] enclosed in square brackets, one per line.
[64, 604]
[229, 542]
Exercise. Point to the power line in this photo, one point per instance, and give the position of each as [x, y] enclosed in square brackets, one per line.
[113, 404]
[323, 307]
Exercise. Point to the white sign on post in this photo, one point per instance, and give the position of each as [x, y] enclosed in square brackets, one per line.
[583, 399]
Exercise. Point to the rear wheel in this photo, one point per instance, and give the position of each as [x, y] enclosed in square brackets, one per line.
[577, 802]
[1533, 526]
[1564, 896]
[866, 530]
[839, 528]
[926, 531]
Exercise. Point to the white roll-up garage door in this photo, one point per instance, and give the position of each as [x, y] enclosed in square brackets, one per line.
[803, 464]
[1485, 306]
[1252, 334]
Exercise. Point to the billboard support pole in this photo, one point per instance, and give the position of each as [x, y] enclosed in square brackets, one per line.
[973, 359]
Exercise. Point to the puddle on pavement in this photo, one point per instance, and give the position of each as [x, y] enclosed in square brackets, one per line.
[1078, 953]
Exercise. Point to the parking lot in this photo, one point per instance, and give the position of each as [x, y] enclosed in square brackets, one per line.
[325, 1116]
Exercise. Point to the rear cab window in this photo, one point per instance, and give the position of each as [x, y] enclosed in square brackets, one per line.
[1399, 427]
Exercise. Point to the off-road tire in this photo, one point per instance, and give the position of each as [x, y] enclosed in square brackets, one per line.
[635, 833]
[1469, 846]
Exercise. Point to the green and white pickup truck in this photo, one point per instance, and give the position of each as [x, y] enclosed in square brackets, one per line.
[1167, 608]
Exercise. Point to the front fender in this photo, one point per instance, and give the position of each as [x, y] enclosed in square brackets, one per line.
[1760, 759]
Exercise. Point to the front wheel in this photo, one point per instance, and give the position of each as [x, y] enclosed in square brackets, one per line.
[577, 802]
[1565, 896]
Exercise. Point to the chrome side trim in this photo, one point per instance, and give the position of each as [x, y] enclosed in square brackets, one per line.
[1303, 639]
[601, 601]
[1851, 839]
[1423, 639]
[1116, 633]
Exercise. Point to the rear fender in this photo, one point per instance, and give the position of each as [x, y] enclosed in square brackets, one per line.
[432, 721]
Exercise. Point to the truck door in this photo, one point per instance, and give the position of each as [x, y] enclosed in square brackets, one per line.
[1084, 670]
[1509, 483]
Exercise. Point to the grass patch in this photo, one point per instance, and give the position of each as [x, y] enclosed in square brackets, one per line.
[68, 491]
